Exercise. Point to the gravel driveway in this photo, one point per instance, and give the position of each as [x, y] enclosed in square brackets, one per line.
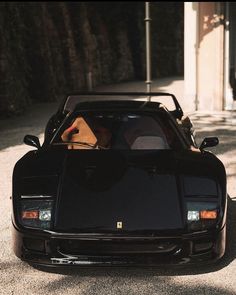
[17, 277]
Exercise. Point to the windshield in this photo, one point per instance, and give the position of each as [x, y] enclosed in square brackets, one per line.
[129, 131]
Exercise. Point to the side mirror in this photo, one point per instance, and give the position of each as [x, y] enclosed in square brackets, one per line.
[209, 142]
[32, 141]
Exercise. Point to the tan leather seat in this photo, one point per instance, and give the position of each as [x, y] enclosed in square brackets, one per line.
[79, 131]
[149, 143]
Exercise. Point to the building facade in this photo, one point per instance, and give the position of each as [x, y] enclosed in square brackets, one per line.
[210, 55]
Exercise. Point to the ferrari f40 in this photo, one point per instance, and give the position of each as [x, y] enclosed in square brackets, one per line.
[119, 180]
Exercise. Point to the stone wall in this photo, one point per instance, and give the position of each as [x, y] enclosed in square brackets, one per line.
[48, 49]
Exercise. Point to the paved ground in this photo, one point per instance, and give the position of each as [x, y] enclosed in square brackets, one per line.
[174, 85]
[17, 277]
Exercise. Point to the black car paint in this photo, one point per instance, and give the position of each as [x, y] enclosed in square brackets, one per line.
[194, 174]
[168, 163]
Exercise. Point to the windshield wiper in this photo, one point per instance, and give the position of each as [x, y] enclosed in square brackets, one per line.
[81, 143]
[93, 146]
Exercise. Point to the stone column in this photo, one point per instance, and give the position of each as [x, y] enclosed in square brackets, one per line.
[210, 60]
[190, 55]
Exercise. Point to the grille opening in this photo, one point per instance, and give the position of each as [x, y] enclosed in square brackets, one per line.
[115, 247]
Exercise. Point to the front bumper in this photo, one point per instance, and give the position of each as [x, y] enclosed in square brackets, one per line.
[57, 249]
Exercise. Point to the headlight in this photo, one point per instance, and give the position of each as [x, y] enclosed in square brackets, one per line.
[202, 215]
[36, 213]
[45, 215]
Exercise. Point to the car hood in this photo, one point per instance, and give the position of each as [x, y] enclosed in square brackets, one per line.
[114, 190]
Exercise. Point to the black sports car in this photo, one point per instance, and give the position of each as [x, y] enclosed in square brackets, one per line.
[119, 180]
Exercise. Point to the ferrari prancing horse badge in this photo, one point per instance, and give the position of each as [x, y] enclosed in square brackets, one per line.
[119, 224]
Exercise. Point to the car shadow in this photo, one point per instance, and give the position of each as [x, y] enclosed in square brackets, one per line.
[159, 285]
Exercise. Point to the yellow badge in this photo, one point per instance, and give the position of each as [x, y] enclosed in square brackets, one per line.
[119, 224]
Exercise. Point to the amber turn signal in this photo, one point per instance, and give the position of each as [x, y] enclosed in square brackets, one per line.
[206, 214]
[30, 214]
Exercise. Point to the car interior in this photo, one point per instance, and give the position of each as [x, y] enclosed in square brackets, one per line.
[116, 131]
